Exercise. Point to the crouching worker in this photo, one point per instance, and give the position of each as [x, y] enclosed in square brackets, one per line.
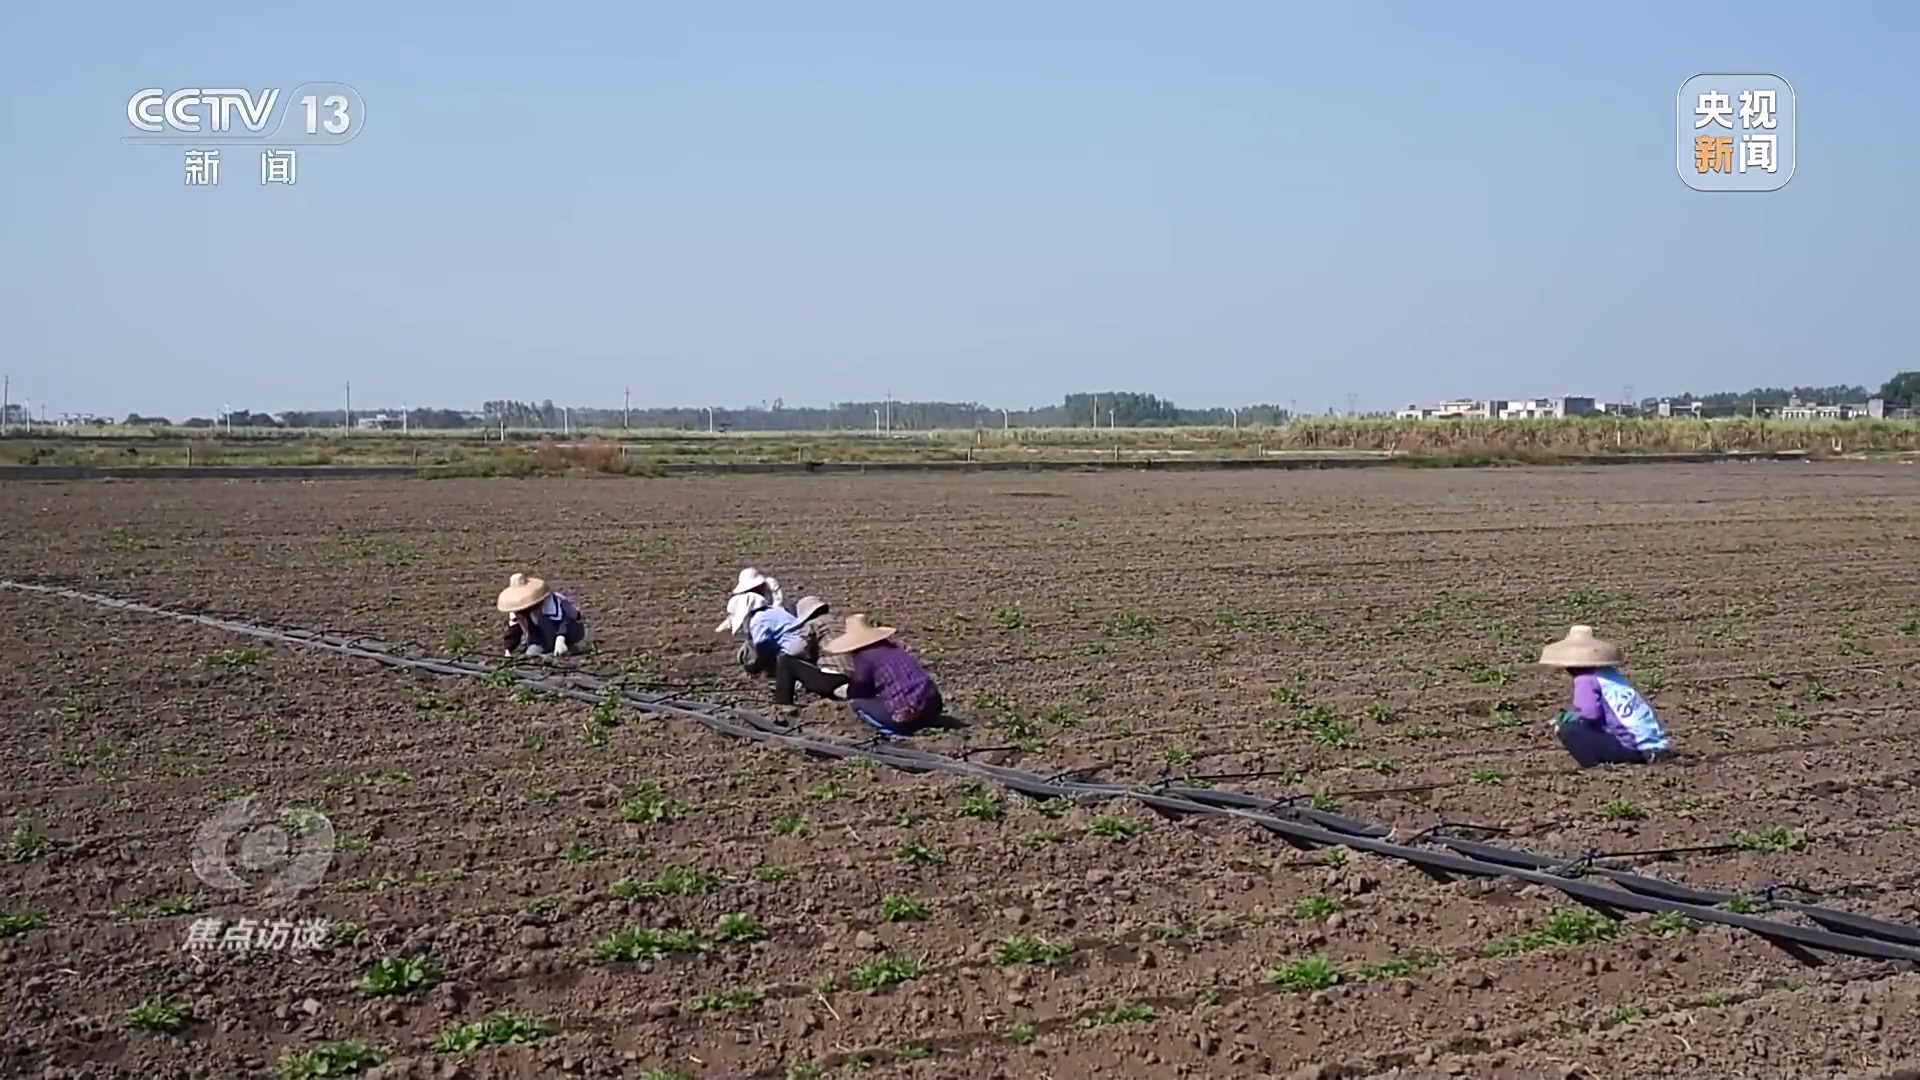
[540, 620]
[886, 687]
[1609, 722]
[820, 671]
[768, 632]
[752, 581]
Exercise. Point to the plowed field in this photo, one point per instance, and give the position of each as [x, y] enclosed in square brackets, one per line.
[517, 889]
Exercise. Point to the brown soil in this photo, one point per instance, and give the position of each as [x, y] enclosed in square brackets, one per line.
[1148, 625]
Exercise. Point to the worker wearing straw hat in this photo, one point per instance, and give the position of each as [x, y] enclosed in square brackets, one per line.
[539, 619]
[820, 671]
[886, 687]
[1609, 722]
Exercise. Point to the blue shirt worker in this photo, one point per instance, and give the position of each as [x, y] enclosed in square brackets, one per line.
[1609, 722]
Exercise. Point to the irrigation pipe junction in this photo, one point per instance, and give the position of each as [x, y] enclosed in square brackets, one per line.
[1443, 852]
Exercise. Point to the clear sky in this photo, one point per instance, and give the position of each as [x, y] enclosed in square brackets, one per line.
[1218, 202]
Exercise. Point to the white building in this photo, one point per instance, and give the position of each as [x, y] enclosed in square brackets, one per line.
[1548, 408]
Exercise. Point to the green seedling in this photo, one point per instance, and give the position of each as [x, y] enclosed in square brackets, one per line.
[1623, 810]
[1119, 1014]
[1114, 828]
[632, 945]
[738, 929]
[1774, 839]
[15, 923]
[1669, 922]
[736, 1000]
[902, 909]
[158, 1015]
[396, 976]
[27, 845]
[1574, 927]
[1032, 951]
[1022, 1034]
[348, 1058]
[888, 970]
[1399, 967]
[500, 1029]
[682, 881]
[980, 806]
[235, 658]
[1317, 906]
[649, 807]
[1311, 973]
[917, 854]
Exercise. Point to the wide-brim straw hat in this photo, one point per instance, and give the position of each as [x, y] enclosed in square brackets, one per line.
[521, 593]
[810, 607]
[1580, 649]
[858, 634]
[750, 579]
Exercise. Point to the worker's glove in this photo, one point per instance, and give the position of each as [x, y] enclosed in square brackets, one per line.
[840, 692]
[560, 647]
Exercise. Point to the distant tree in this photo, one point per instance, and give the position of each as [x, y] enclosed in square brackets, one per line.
[1902, 391]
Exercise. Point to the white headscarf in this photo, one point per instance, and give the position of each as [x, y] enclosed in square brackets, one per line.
[740, 608]
[750, 581]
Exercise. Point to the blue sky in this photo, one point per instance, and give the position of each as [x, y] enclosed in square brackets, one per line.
[723, 203]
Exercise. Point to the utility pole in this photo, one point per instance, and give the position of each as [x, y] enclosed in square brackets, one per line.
[709, 419]
[349, 407]
[626, 409]
[404, 410]
[6, 402]
[1006, 420]
[889, 412]
[1352, 400]
[227, 411]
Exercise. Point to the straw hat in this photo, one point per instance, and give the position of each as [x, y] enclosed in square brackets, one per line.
[521, 593]
[1580, 649]
[859, 634]
[809, 607]
[750, 579]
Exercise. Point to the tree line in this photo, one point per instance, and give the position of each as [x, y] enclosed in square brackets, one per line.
[1120, 408]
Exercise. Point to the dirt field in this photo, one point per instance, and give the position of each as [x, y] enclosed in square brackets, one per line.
[654, 901]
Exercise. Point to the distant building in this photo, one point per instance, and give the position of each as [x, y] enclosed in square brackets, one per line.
[1559, 408]
[1468, 409]
[1695, 410]
[1502, 409]
[377, 422]
[1795, 409]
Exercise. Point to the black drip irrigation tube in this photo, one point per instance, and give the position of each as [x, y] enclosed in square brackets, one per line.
[1443, 852]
